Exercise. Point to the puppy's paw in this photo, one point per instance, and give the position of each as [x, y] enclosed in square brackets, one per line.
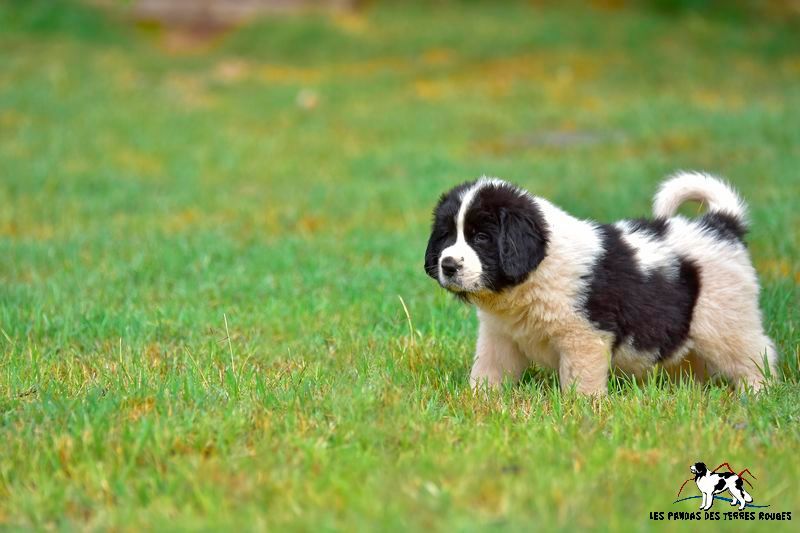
[481, 382]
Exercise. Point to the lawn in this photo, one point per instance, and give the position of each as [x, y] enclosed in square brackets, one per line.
[205, 256]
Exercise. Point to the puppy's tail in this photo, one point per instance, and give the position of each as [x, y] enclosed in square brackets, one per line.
[722, 200]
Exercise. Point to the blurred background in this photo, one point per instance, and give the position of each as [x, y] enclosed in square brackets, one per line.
[322, 130]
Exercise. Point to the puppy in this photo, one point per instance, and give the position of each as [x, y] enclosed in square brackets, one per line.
[711, 483]
[581, 297]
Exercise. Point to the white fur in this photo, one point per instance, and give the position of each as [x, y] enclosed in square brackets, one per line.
[707, 484]
[726, 323]
[471, 269]
[700, 187]
[650, 253]
[540, 320]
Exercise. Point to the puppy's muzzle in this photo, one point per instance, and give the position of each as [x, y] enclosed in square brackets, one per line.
[450, 267]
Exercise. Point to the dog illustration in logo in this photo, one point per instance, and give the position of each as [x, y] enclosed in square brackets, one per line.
[712, 482]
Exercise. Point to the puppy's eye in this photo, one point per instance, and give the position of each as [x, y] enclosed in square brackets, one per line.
[481, 238]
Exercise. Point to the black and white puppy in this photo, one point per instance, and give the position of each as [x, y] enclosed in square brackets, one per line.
[579, 296]
[711, 483]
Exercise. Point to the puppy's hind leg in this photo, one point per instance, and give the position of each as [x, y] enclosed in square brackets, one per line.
[740, 497]
[745, 495]
[727, 327]
[747, 358]
[756, 362]
[742, 503]
[765, 366]
[735, 500]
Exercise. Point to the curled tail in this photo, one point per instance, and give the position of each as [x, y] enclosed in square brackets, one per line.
[727, 212]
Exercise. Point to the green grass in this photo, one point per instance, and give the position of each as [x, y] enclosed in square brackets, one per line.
[147, 198]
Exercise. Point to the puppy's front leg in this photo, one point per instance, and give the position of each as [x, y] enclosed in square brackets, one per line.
[709, 500]
[584, 362]
[496, 358]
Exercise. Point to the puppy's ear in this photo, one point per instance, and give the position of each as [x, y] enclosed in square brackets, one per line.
[522, 242]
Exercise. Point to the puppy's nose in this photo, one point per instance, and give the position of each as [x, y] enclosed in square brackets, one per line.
[450, 266]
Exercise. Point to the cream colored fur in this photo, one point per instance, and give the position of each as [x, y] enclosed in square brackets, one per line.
[699, 187]
[540, 321]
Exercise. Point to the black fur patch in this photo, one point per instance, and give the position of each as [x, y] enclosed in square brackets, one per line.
[700, 470]
[508, 232]
[720, 485]
[653, 309]
[502, 224]
[724, 226]
[656, 227]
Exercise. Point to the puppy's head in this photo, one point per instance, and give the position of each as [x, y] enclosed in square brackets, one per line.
[699, 469]
[487, 235]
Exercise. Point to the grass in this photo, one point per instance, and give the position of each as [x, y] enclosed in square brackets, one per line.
[203, 256]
